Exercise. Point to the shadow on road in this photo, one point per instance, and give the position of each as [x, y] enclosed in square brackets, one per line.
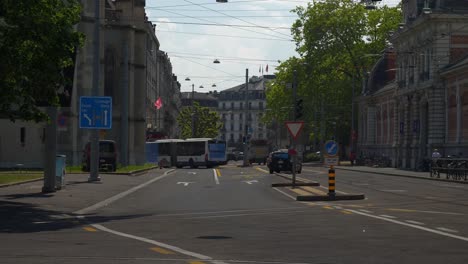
[29, 218]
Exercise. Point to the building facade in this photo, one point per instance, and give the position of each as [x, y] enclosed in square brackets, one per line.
[240, 118]
[423, 109]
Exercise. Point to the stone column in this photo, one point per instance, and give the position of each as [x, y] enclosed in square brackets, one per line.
[415, 158]
[437, 117]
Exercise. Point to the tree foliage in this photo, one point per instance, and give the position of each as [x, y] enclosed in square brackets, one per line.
[333, 39]
[37, 41]
[207, 123]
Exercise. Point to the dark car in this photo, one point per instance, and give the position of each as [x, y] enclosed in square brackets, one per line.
[107, 156]
[280, 160]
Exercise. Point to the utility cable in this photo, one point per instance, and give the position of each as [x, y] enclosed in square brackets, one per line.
[218, 35]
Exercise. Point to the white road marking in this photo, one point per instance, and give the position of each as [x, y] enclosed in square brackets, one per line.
[361, 184]
[290, 196]
[365, 211]
[252, 214]
[120, 195]
[338, 207]
[414, 222]
[156, 243]
[419, 211]
[215, 174]
[42, 222]
[250, 182]
[315, 171]
[410, 225]
[192, 172]
[388, 216]
[184, 183]
[446, 229]
[393, 190]
[231, 211]
[326, 188]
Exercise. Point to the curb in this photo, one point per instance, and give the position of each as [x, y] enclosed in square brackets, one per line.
[338, 197]
[21, 182]
[404, 176]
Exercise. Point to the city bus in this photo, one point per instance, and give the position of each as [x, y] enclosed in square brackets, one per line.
[194, 152]
[162, 152]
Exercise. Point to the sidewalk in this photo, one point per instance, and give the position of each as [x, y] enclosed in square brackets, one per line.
[77, 193]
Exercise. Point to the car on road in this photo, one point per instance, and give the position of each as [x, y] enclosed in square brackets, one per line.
[280, 160]
[107, 156]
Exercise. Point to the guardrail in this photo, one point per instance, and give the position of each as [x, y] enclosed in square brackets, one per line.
[454, 168]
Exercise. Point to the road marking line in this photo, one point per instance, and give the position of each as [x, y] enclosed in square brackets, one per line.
[346, 212]
[414, 222]
[252, 214]
[388, 216]
[300, 191]
[196, 262]
[215, 174]
[89, 229]
[365, 211]
[411, 225]
[218, 172]
[316, 171]
[262, 170]
[162, 251]
[156, 243]
[393, 190]
[326, 188]
[338, 207]
[290, 196]
[447, 229]
[327, 207]
[314, 191]
[42, 222]
[121, 195]
[419, 211]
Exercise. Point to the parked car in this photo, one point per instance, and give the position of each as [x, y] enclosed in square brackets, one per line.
[280, 160]
[107, 156]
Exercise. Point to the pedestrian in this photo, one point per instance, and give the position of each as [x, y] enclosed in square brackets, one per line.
[352, 157]
[436, 154]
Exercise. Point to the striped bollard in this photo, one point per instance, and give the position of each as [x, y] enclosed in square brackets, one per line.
[331, 182]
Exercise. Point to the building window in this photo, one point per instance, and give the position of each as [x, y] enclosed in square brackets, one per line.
[224, 117]
[240, 116]
[260, 135]
[241, 105]
[224, 105]
[260, 105]
[232, 105]
[231, 137]
[240, 127]
[232, 116]
[232, 126]
[250, 105]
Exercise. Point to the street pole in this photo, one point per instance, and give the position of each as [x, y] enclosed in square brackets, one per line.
[51, 151]
[124, 126]
[293, 141]
[246, 112]
[193, 111]
[352, 118]
[94, 158]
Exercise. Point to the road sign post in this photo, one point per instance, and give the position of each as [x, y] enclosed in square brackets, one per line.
[95, 113]
[331, 159]
[294, 128]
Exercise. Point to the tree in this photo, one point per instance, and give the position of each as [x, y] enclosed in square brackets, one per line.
[332, 38]
[37, 42]
[207, 123]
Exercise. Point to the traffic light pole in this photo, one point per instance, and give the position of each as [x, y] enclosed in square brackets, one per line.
[293, 145]
[246, 130]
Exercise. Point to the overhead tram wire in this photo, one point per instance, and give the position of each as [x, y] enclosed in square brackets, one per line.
[232, 2]
[205, 20]
[213, 68]
[221, 57]
[221, 25]
[245, 21]
[211, 58]
[225, 16]
[218, 35]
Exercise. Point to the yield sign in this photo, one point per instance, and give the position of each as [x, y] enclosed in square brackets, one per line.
[294, 127]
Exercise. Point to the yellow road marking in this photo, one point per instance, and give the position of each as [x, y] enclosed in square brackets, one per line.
[162, 250]
[300, 191]
[196, 262]
[262, 170]
[314, 191]
[327, 207]
[218, 172]
[346, 212]
[90, 229]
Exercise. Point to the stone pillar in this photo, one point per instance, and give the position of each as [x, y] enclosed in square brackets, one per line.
[437, 117]
[371, 125]
[396, 134]
[415, 120]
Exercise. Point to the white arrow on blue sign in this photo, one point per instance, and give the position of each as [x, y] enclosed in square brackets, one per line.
[96, 112]
[331, 148]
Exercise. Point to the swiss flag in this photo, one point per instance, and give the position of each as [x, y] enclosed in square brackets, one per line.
[267, 68]
[158, 103]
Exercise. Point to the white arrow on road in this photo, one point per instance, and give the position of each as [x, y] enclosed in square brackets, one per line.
[192, 172]
[87, 117]
[185, 183]
[250, 182]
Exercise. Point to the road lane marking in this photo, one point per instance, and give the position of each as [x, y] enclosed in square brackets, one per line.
[162, 251]
[262, 170]
[446, 229]
[288, 195]
[89, 229]
[218, 172]
[250, 182]
[326, 188]
[215, 175]
[338, 207]
[411, 225]
[414, 222]
[158, 244]
[365, 211]
[231, 211]
[119, 196]
[419, 211]
[314, 191]
[252, 214]
[196, 262]
[185, 183]
[299, 191]
[388, 216]
[398, 191]
[346, 212]
[327, 207]
[316, 171]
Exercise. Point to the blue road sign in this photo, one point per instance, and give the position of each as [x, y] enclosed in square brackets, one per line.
[96, 112]
[331, 148]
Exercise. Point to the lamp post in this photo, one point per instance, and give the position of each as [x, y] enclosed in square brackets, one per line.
[246, 112]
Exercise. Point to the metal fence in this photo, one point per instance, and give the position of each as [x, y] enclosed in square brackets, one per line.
[453, 168]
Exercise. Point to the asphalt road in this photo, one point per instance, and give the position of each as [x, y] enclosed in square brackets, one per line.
[233, 215]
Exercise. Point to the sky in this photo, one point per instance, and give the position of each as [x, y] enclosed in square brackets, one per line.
[264, 39]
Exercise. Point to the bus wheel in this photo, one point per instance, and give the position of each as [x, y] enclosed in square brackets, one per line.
[191, 164]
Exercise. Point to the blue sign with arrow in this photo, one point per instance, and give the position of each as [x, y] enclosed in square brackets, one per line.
[331, 148]
[96, 112]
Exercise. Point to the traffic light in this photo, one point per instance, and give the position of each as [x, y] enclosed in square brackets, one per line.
[299, 109]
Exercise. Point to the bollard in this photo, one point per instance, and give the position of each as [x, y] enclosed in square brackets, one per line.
[331, 182]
